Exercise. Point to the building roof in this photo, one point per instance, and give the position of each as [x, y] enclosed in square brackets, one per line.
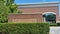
[39, 4]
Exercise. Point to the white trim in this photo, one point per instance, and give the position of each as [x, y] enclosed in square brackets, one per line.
[39, 4]
[48, 12]
[35, 3]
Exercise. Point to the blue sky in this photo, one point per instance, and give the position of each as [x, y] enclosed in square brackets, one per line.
[33, 1]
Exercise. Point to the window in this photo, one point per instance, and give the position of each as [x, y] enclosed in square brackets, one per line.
[49, 17]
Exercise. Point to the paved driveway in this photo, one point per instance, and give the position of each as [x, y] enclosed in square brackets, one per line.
[54, 30]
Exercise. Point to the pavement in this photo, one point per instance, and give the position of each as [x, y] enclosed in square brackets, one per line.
[54, 30]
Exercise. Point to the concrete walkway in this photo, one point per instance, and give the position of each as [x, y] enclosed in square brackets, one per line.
[54, 30]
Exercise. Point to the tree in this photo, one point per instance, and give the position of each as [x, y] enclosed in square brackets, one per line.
[12, 7]
[3, 12]
[6, 7]
[9, 2]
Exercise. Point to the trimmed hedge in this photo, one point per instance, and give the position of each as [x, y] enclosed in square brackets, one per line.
[25, 28]
[58, 24]
[53, 24]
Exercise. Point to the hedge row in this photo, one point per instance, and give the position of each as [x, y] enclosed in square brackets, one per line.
[53, 24]
[25, 28]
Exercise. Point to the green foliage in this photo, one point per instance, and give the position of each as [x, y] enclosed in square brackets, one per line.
[58, 24]
[12, 7]
[9, 2]
[6, 6]
[25, 28]
[3, 12]
[53, 24]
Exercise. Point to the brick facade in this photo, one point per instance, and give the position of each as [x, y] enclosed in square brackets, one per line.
[25, 18]
[33, 14]
[40, 10]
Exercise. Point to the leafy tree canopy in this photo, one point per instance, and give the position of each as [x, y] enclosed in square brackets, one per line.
[6, 7]
[3, 12]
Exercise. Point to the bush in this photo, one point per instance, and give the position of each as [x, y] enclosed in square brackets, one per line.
[25, 28]
[58, 24]
[53, 24]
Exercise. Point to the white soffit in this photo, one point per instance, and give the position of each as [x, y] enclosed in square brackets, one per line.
[44, 4]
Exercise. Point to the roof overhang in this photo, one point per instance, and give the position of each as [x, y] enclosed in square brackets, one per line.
[43, 4]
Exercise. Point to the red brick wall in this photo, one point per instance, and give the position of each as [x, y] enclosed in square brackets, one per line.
[58, 19]
[24, 17]
[33, 13]
[40, 9]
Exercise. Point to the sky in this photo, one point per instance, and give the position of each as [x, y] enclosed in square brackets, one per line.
[33, 1]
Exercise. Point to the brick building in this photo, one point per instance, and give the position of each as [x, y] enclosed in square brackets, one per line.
[34, 12]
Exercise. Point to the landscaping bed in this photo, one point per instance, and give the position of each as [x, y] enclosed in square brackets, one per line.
[24, 28]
